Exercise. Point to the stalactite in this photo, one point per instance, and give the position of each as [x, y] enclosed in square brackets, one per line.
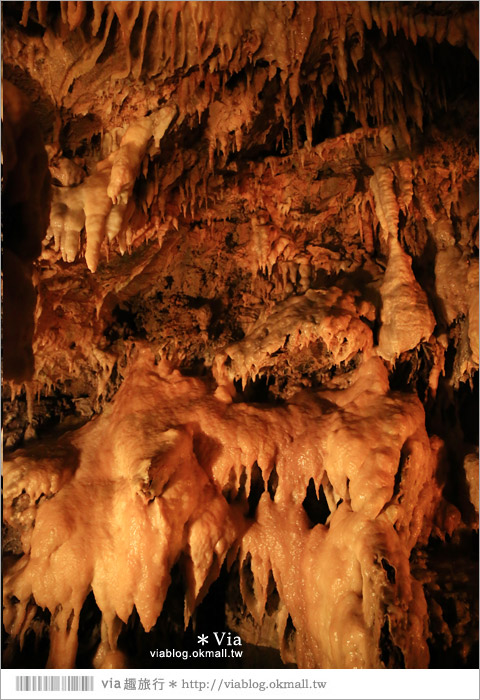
[251, 327]
[406, 317]
[174, 506]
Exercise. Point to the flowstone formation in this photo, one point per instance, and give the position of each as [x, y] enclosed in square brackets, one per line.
[241, 331]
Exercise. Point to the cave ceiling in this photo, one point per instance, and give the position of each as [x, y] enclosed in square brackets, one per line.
[240, 325]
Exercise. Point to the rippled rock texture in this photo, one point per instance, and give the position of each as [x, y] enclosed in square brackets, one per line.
[241, 331]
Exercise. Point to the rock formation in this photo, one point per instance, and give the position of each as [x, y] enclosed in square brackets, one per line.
[241, 330]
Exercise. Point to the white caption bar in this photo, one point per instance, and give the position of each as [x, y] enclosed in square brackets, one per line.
[244, 684]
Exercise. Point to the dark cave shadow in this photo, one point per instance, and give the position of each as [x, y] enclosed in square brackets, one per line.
[169, 645]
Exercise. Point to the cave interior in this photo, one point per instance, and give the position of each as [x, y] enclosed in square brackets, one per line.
[240, 334]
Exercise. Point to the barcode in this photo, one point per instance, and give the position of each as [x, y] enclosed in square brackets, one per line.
[51, 683]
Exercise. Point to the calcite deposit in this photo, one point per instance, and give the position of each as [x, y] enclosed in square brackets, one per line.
[240, 331]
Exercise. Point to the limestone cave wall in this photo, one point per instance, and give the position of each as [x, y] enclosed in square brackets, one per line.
[240, 331]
